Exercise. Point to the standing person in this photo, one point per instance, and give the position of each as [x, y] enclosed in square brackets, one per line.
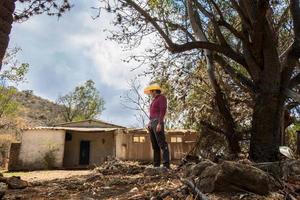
[158, 108]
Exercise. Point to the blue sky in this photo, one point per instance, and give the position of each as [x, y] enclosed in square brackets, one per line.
[66, 52]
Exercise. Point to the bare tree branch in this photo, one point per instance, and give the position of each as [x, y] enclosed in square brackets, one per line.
[235, 75]
[177, 48]
[295, 81]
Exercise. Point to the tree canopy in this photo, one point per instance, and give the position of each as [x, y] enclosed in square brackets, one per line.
[84, 102]
[255, 43]
[9, 78]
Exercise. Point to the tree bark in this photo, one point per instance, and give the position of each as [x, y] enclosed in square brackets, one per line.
[7, 8]
[268, 116]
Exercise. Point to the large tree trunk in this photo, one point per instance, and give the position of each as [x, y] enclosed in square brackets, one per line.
[7, 8]
[268, 116]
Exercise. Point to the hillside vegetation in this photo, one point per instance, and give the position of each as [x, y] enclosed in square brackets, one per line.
[32, 111]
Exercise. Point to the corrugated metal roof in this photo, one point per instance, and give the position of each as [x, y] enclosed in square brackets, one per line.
[73, 129]
[132, 131]
[169, 131]
[89, 120]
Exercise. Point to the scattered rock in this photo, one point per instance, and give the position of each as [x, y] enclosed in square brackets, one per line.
[134, 190]
[232, 177]
[3, 188]
[16, 183]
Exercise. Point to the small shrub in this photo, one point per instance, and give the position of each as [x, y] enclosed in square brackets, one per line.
[49, 159]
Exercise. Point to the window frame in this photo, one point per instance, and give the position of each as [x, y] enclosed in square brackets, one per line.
[139, 139]
[176, 139]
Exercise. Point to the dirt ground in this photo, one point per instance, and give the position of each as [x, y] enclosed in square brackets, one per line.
[48, 175]
[114, 180]
[89, 185]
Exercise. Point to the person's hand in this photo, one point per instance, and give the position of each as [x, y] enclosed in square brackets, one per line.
[158, 128]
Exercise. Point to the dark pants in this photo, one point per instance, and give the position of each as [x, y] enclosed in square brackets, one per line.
[158, 141]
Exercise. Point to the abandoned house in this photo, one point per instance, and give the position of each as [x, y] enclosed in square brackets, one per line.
[88, 143]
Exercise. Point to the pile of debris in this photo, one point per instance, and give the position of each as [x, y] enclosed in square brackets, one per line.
[116, 166]
[201, 179]
[208, 180]
[13, 182]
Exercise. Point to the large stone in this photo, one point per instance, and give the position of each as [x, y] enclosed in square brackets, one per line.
[291, 170]
[200, 167]
[274, 168]
[193, 170]
[187, 169]
[232, 177]
[288, 169]
[3, 188]
[16, 183]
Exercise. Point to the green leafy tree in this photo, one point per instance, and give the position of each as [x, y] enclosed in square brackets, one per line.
[84, 102]
[255, 42]
[14, 75]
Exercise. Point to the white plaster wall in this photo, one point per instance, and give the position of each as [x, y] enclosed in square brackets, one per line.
[36, 144]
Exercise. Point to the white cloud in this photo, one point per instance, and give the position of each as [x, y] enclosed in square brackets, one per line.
[106, 55]
[66, 52]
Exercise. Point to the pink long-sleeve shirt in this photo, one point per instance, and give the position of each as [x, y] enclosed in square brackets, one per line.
[158, 108]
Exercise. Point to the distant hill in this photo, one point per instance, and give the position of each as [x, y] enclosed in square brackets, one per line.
[33, 111]
[36, 111]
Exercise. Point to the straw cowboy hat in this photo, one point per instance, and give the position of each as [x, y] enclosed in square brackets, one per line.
[152, 87]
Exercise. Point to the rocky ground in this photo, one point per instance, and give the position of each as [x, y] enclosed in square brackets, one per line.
[130, 180]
